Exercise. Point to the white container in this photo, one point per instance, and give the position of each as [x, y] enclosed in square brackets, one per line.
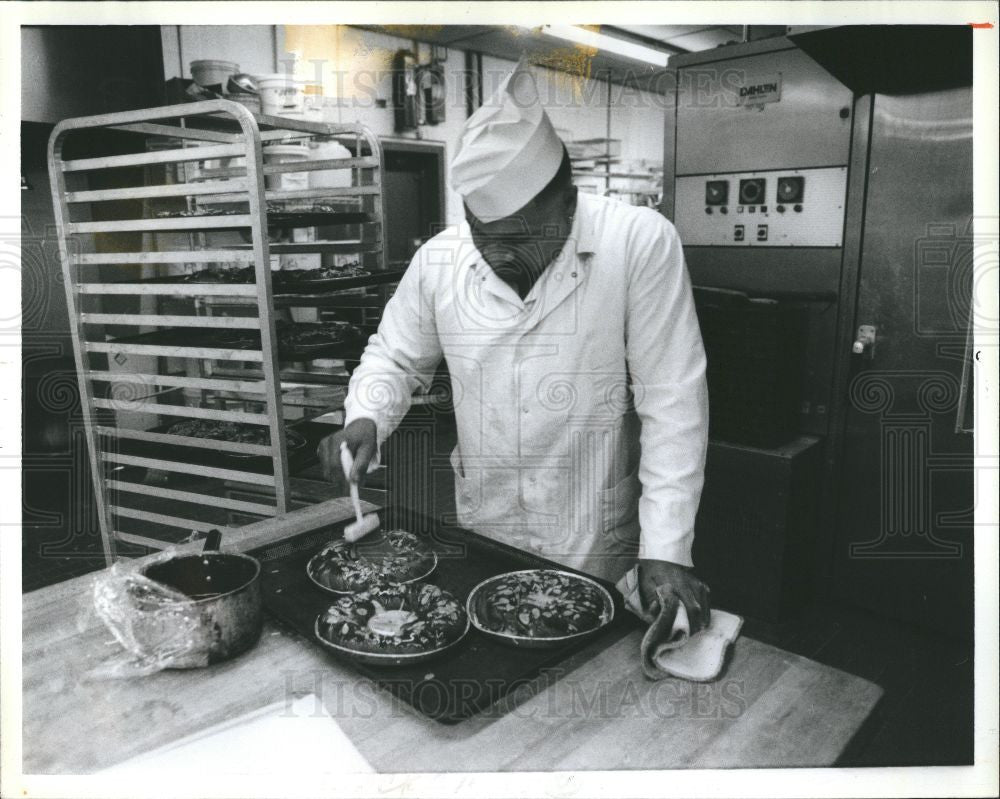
[213, 73]
[324, 149]
[286, 154]
[279, 93]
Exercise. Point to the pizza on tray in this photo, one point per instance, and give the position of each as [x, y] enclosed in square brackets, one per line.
[283, 279]
[293, 278]
[539, 603]
[221, 274]
[395, 556]
[232, 432]
[413, 619]
[298, 336]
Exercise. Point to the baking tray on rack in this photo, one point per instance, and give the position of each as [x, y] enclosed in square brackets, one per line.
[249, 340]
[471, 677]
[300, 455]
[281, 288]
[282, 220]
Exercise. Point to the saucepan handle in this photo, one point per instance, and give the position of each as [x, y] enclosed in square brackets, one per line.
[212, 541]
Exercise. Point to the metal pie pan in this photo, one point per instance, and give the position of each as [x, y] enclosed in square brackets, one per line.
[387, 658]
[318, 584]
[533, 642]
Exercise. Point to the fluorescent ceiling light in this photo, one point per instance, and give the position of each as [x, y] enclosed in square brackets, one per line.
[610, 44]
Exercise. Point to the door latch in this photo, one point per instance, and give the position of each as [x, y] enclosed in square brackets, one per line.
[864, 342]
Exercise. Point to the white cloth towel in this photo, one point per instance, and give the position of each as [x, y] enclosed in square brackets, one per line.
[668, 648]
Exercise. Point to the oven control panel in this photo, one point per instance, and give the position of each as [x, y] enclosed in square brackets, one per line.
[776, 208]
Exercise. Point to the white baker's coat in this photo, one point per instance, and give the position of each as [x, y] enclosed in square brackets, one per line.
[554, 395]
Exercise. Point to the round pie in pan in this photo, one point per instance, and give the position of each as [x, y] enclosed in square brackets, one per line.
[393, 624]
[393, 556]
[539, 607]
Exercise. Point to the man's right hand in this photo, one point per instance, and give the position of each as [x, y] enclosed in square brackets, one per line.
[362, 441]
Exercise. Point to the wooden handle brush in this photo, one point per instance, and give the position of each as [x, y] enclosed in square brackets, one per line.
[365, 524]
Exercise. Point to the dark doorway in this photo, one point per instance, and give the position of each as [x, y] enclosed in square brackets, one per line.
[414, 196]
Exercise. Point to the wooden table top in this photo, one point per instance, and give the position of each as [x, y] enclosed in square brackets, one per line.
[596, 711]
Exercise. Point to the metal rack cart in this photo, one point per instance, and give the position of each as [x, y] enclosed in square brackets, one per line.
[154, 339]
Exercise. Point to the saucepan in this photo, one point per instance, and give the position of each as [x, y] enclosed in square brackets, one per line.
[224, 587]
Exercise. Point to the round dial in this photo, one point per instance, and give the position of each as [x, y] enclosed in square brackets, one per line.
[716, 192]
[790, 189]
[752, 191]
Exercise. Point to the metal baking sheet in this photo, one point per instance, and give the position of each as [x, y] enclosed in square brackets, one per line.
[298, 457]
[462, 682]
[239, 339]
[283, 219]
[329, 285]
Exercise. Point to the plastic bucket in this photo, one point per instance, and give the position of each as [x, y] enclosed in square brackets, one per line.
[286, 154]
[279, 93]
[213, 73]
[321, 149]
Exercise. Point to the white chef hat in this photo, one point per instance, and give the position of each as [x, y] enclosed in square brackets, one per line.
[508, 150]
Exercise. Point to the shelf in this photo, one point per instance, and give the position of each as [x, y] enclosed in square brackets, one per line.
[289, 377]
[182, 155]
[294, 220]
[285, 220]
[331, 300]
[235, 343]
[305, 292]
[179, 286]
[220, 454]
[614, 159]
[342, 247]
[219, 358]
[605, 174]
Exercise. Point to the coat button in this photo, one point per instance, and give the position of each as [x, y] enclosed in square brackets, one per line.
[573, 274]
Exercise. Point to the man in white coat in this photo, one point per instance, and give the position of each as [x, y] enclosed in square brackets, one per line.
[577, 367]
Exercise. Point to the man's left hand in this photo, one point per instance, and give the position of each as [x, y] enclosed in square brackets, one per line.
[682, 583]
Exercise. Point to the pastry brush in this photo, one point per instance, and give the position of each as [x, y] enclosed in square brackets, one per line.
[356, 530]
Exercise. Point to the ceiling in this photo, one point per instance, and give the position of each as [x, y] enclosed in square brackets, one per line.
[683, 38]
[512, 41]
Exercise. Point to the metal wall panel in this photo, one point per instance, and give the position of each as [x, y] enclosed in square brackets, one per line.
[905, 539]
[804, 128]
